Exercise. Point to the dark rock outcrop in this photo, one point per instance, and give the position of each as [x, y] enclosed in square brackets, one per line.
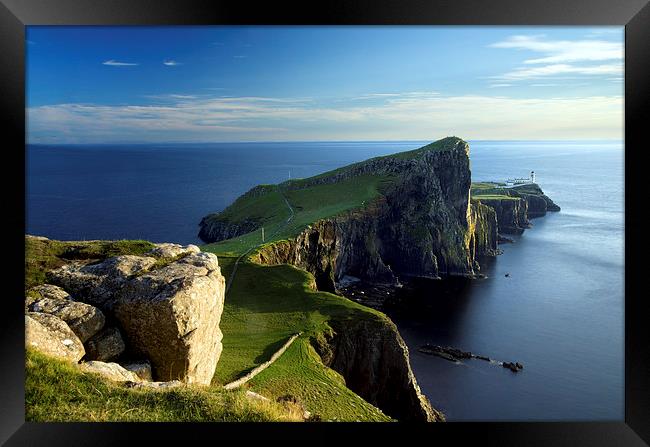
[374, 361]
[512, 214]
[424, 225]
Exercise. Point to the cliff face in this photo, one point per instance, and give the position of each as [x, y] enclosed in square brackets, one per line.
[373, 359]
[424, 225]
[512, 214]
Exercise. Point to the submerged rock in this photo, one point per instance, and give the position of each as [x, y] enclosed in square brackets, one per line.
[52, 336]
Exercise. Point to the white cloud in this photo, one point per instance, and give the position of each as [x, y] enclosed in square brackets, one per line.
[560, 69]
[115, 63]
[587, 57]
[500, 85]
[563, 51]
[171, 63]
[407, 116]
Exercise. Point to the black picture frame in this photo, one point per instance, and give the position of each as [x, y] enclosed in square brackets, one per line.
[633, 14]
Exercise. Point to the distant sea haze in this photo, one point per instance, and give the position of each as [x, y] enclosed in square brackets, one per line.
[559, 312]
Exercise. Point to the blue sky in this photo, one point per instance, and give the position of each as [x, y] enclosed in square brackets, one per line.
[201, 84]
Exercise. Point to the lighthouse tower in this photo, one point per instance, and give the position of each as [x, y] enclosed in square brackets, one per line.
[532, 176]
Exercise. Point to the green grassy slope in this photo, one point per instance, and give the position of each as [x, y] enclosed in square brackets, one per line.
[263, 308]
[310, 202]
[58, 391]
[309, 205]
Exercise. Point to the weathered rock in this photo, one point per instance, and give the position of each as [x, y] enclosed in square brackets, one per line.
[424, 224]
[51, 335]
[171, 316]
[111, 371]
[142, 369]
[106, 345]
[166, 250]
[84, 320]
[50, 291]
[374, 360]
[98, 284]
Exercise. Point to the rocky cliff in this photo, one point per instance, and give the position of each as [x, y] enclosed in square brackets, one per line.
[373, 359]
[422, 225]
[512, 214]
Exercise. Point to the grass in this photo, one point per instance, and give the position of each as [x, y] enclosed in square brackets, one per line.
[44, 255]
[58, 391]
[264, 307]
[309, 204]
[494, 197]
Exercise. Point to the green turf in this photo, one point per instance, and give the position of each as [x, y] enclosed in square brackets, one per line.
[58, 391]
[494, 197]
[264, 307]
[310, 205]
[43, 255]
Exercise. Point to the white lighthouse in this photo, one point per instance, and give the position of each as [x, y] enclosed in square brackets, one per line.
[532, 176]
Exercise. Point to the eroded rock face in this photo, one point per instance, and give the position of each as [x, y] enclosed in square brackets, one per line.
[374, 360]
[106, 345]
[171, 316]
[111, 371]
[98, 284]
[84, 320]
[52, 336]
[425, 225]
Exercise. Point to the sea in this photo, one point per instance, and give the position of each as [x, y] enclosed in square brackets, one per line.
[559, 311]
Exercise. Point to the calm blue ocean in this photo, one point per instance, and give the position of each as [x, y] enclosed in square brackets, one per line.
[560, 311]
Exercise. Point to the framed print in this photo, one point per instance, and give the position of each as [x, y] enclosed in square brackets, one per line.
[414, 219]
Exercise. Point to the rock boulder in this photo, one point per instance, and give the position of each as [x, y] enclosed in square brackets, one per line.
[171, 316]
[84, 320]
[51, 335]
[97, 284]
[106, 345]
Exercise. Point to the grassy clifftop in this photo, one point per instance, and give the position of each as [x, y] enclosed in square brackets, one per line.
[319, 197]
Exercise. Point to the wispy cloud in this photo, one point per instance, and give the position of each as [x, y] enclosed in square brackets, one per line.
[564, 51]
[171, 63]
[240, 56]
[500, 85]
[587, 57]
[407, 116]
[560, 69]
[114, 63]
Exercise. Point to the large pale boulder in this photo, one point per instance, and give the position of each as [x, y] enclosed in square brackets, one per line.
[111, 371]
[171, 316]
[51, 335]
[84, 320]
[97, 284]
[106, 345]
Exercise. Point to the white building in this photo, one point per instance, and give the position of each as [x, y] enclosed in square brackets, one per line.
[521, 181]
